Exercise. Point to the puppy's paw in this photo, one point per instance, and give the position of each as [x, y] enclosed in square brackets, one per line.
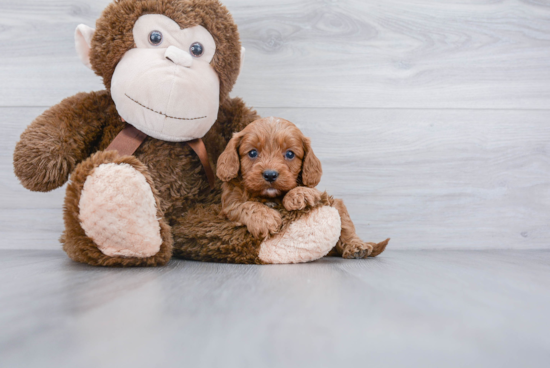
[300, 197]
[357, 250]
[265, 223]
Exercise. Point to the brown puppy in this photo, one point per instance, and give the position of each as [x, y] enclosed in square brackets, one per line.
[278, 168]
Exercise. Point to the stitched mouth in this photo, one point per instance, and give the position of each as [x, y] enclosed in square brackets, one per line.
[161, 113]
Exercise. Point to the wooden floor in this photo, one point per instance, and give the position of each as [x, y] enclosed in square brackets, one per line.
[404, 309]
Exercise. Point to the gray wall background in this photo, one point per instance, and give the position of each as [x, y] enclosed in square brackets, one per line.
[431, 117]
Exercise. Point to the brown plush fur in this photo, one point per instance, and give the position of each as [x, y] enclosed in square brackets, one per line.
[79, 246]
[209, 236]
[58, 141]
[114, 37]
[249, 199]
[52, 146]
[70, 137]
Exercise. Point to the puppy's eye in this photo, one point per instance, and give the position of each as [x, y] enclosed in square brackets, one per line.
[253, 154]
[155, 38]
[196, 49]
[289, 155]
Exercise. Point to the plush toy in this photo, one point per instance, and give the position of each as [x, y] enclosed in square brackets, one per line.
[141, 153]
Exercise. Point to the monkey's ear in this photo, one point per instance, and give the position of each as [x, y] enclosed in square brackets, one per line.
[229, 162]
[83, 42]
[311, 166]
[243, 50]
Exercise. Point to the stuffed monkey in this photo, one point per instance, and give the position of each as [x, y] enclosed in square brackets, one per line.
[141, 153]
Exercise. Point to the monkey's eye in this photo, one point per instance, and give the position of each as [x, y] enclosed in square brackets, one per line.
[253, 154]
[155, 38]
[196, 49]
[289, 155]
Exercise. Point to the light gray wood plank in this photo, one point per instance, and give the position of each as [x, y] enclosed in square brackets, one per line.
[36, 228]
[403, 309]
[429, 179]
[302, 53]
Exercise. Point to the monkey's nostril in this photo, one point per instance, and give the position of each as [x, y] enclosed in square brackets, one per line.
[270, 175]
[178, 56]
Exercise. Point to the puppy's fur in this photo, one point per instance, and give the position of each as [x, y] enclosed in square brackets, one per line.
[256, 154]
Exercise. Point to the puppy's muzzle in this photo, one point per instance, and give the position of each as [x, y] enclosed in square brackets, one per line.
[270, 175]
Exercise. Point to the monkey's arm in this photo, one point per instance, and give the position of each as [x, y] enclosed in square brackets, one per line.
[259, 219]
[59, 139]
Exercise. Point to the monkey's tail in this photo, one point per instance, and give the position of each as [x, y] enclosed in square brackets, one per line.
[379, 248]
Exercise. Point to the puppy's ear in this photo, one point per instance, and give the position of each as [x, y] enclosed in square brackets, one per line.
[229, 162]
[311, 167]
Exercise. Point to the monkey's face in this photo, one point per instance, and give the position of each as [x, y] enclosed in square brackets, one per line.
[165, 86]
[168, 63]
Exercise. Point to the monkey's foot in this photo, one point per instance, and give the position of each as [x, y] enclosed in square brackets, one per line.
[305, 240]
[112, 216]
[118, 211]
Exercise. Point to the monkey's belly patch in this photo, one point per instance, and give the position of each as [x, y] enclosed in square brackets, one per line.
[118, 212]
[305, 240]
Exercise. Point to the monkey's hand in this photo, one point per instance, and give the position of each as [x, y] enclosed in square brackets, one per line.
[264, 221]
[301, 197]
[52, 146]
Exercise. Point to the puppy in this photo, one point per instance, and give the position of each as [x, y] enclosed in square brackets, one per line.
[278, 167]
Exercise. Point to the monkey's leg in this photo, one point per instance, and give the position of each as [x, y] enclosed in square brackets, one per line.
[350, 245]
[203, 235]
[112, 214]
[306, 239]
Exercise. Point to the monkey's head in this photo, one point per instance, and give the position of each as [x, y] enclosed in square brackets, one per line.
[167, 63]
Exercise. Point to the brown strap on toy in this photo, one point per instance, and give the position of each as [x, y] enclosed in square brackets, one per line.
[127, 141]
[130, 138]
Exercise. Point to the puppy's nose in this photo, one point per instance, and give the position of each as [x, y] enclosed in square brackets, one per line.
[270, 175]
